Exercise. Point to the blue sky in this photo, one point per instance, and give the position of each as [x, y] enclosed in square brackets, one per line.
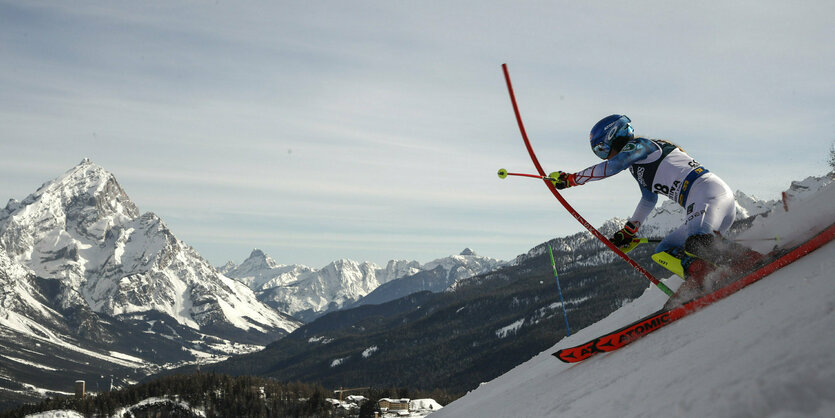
[373, 130]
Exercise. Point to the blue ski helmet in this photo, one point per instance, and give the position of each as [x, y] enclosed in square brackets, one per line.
[605, 132]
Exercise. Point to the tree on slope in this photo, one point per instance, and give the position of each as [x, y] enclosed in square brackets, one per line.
[832, 159]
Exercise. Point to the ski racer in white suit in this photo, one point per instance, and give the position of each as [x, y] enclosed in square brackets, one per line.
[663, 168]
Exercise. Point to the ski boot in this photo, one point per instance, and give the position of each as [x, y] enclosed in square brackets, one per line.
[686, 265]
[706, 263]
[734, 259]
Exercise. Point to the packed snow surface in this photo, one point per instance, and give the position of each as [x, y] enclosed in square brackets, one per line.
[57, 414]
[766, 351]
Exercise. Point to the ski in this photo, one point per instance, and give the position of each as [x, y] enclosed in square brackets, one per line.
[665, 316]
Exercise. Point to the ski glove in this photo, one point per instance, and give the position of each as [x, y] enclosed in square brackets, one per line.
[625, 236]
[562, 180]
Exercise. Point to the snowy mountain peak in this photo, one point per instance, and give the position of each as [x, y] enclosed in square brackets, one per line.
[307, 292]
[296, 288]
[747, 206]
[77, 211]
[91, 181]
[226, 268]
[83, 230]
[258, 260]
[399, 268]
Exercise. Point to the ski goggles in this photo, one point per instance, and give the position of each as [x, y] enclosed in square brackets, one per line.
[601, 150]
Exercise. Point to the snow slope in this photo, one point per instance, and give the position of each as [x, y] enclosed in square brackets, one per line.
[766, 351]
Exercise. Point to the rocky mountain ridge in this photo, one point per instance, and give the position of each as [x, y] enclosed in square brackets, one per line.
[307, 293]
[84, 231]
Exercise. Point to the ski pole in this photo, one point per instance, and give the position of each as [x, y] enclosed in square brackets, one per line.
[777, 238]
[504, 173]
[635, 242]
[557, 278]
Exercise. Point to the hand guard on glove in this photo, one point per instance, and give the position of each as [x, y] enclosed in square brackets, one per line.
[562, 180]
[625, 236]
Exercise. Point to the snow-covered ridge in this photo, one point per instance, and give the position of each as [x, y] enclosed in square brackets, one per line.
[296, 288]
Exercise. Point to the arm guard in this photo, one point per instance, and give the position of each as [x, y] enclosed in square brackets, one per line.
[633, 151]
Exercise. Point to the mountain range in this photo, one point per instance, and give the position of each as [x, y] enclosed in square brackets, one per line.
[309, 293]
[95, 289]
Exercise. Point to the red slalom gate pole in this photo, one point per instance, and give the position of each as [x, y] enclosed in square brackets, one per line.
[565, 203]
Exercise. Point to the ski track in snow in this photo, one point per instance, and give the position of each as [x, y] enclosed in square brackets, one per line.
[765, 351]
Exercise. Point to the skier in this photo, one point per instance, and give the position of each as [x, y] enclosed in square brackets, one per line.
[662, 168]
